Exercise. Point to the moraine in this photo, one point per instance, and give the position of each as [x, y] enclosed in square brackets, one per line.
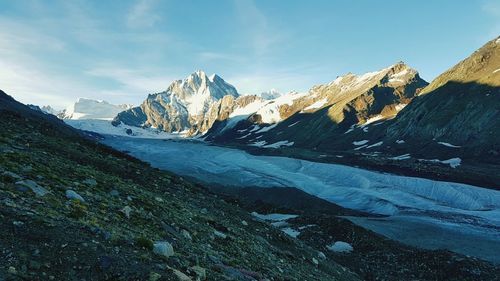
[415, 208]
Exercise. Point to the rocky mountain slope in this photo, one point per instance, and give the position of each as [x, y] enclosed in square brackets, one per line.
[461, 106]
[72, 207]
[182, 107]
[447, 130]
[308, 119]
[84, 109]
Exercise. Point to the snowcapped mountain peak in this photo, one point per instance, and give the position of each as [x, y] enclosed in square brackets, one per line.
[185, 103]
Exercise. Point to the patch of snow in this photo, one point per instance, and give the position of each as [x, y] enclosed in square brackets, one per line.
[258, 144]
[400, 107]
[291, 232]
[274, 217]
[375, 144]
[244, 136]
[279, 144]
[350, 129]
[400, 141]
[361, 147]
[448, 144]
[242, 113]
[270, 112]
[361, 142]
[373, 119]
[316, 105]
[266, 129]
[279, 224]
[340, 247]
[254, 128]
[453, 162]
[401, 157]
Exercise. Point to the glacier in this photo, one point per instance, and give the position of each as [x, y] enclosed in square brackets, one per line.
[470, 213]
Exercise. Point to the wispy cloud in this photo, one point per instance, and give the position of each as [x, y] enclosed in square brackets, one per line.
[133, 82]
[217, 56]
[492, 9]
[142, 14]
[256, 27]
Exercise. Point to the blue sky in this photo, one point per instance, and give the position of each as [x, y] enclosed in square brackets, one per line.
[52, 52]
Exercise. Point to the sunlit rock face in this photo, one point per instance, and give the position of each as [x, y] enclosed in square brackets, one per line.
[183, 105]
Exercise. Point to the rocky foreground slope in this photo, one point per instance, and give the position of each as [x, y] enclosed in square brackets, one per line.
[75, 210]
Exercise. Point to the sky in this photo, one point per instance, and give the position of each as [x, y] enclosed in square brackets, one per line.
[52, 52]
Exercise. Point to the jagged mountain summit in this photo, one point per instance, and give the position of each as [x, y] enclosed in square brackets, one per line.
[182, 106]
[85, 108]
[310, 117]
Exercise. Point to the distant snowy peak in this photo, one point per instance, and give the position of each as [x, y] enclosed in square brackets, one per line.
[271, 94]
[50, 110]
[85, 108]
[199, 84]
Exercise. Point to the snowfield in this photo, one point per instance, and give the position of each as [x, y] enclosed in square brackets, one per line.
[474, 210]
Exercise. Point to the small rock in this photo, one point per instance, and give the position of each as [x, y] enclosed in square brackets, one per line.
[90, 182]
[72, 195]
[163, 248]
[340, 247]
[181, 276]
[186, 234]
[18, 223]
[244, 223]
[114, 193]
[204, 211]
[37, 189]
[158, 199]
[220, 234]
[315, 261]
[11, 175]
[12, 270]
[322, 255]
[201, 273]
[126, 210]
